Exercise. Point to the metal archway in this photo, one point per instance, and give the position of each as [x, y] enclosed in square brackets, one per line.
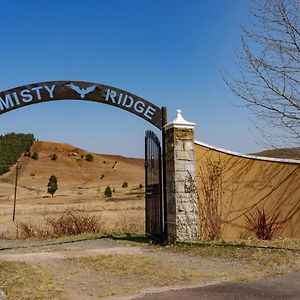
[80, 90]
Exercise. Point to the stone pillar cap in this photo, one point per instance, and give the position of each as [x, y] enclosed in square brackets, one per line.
[180, 122]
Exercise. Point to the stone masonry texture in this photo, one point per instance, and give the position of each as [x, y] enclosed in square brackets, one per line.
[182, 215]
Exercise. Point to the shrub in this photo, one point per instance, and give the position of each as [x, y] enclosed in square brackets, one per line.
[72, 222]
[108, 191]
[35, 156]
[89, 157]
[265, 226]
[27, 154]
[52, 185]
[125, 184]
[68, 222]
[140, 186]
[54, 157]
[102, 176]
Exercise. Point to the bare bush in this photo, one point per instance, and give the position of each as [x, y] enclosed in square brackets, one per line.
[265, 226]
[72, 222]
[69, 222]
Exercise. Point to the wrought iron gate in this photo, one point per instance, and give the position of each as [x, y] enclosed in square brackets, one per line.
[153, 186]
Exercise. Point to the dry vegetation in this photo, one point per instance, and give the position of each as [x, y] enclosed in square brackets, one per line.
[81, 186]
[100, 267]
[289, 153]
[104, 267]
[69, 222]
[21, 281]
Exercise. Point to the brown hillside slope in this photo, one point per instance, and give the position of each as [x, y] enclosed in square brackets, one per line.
[290, 153]
[81, 185]
[73, 171]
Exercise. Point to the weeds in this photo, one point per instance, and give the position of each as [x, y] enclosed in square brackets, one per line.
[265, 226]
[69, 222]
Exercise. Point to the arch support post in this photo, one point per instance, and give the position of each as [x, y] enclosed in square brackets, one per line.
[182, 209]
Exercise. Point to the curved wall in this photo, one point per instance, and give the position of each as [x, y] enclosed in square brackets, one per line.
[248, 183]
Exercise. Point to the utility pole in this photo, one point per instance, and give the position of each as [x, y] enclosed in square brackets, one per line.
[18, 167]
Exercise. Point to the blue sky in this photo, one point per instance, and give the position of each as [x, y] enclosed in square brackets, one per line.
[166, 51]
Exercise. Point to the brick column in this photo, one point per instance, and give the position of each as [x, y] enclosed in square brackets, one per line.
[182, 210]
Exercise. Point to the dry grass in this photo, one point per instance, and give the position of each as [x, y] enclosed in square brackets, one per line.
[20, 281]
[255, 261]
[69, 222]
[124, 274]
[128, 223]
[152, 266]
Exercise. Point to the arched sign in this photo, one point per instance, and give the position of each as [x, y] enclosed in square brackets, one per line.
[80, 90]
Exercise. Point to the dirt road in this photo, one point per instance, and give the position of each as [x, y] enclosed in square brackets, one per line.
[126, 268]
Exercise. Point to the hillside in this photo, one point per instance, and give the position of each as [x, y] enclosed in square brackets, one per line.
[12, 145]
[81, 186]
[289, 153]
[76, 176]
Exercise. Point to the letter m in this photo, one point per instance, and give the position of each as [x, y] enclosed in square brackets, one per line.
[7, 103]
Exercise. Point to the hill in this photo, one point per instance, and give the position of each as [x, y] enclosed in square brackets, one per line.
[12, 145]
[81, 185]
[76, 175]
[289, 153]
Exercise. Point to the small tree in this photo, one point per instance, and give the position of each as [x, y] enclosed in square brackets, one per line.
[140, 186]
[125, 184]
[52, 185]
[54, 157]
[108, 191]
[89, 157]
[35, 156]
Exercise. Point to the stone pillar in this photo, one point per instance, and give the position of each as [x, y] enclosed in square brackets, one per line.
[182, 209]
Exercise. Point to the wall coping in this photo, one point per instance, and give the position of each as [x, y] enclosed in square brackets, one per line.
[254, 157]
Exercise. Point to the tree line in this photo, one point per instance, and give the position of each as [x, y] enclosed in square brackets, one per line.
[12, 145]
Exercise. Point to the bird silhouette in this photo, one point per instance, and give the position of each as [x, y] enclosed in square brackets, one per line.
[81, 92]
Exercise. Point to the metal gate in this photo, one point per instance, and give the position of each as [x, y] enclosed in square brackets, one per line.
[153, 186]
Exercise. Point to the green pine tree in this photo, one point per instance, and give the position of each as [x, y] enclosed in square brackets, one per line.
[52, 185]
[108, 191]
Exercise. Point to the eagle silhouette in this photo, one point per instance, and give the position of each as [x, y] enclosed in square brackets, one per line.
[81, 92]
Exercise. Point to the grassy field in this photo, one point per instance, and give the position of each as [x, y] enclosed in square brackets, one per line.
[81, 186]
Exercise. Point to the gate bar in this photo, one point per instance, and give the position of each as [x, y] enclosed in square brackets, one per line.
[164, 113]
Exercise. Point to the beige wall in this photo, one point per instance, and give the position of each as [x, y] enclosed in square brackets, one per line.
[247, 183]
